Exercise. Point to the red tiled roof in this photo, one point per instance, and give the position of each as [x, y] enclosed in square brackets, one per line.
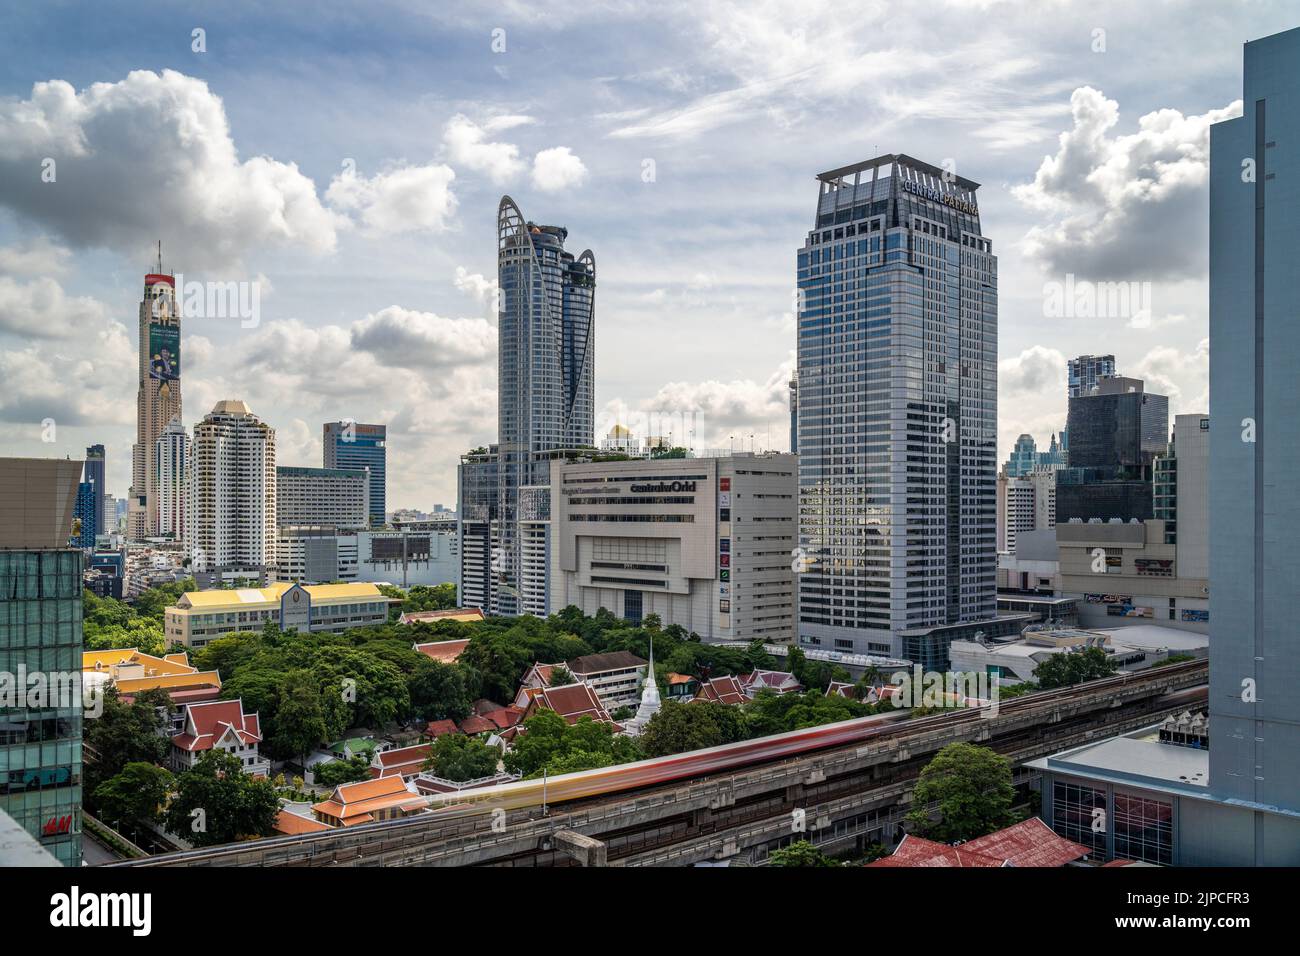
[783, 682]
[841, 689]
[1028, 843]
[505, 717]
[722, 690]
[445, 652]
[294, 825]
[208, 722]
[437, 728]
[573, 701]
[401, 761]
[918, 851]
[474, 724]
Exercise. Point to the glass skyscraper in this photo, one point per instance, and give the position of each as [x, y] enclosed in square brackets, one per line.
[1085, 372]
[546, 365]
[353, 446]
[897, 413]
[1255, 449]
[40, 653]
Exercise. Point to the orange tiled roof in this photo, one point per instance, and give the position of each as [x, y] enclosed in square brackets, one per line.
[445, 652]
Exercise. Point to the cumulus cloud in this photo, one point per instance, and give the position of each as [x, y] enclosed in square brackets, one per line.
[41, 309]
[406, 199]
[151, 156]
[1181, 374]
[424, 341]
[467, 145]
[87, 379]
[474, 284]
[557, 168]
[1031, 396]
[1130, 206]
[37, 256]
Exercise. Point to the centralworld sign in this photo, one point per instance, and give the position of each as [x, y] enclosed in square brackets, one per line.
[665, 486]
[948, 199]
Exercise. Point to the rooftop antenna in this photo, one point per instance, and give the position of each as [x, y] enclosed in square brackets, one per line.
[160, 272]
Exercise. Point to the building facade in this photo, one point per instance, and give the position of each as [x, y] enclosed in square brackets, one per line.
[324, 497]
[172, 460]
[897, 414]
[705, 543]
[200, 617]
[158, 399]
[232, 520]
[1181, 486]
[1085, 373]
[356, 447]
[323, 555]
[41, 634]
[1116, 431]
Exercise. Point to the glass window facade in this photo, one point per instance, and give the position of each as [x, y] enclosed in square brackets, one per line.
[1078, 814]
[1144, 829]
[40, 747]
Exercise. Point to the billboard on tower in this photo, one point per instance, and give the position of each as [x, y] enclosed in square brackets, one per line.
[164, 353]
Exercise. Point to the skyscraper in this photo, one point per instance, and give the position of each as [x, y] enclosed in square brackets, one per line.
[897, 416]
[356, 447]
[93, 473]
[171, 461]
[158, 399]
[1085, 372]
[231, 518]
[1255, 451]
[546, 365]
[41, 635]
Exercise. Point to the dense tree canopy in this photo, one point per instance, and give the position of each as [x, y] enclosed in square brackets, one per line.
[970, 790]
[1073, 667]
[216, 802]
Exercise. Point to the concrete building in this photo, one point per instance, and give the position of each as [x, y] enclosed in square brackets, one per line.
[41, 633]
[1085, 373]
[477, 495]
[231, 531]
[1126, 573]
[353, 446]
[158, 397]
[704, 543]
[1116, 431]
[1026, 502]
[323, 497]
[171, 480]
[616, 677]
[1182, 494]
[315, 555]
[1254, 458]
[897, 413]
[203, 616]
[219, 725]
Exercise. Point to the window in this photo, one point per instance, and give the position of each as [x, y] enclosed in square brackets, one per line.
[1144, 829]
[1079, 814]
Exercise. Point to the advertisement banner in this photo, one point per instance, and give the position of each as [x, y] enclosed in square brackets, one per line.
[164, 353]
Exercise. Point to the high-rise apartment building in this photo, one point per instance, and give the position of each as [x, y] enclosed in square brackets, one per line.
[356, 447]
[1085, 373]
[1255, 452]
[231, 518]
[158, 399]
[322, 497]
[1116, 431]
[1025, 503]
[171, 463]
[477, 496]
[545, 407]
[897, 418]
[41, 636]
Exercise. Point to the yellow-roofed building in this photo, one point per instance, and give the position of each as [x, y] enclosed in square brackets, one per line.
[132, 672]
[203, 616]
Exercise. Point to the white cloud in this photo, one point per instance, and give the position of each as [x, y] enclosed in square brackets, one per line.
[424, 341]
[402, 200]
[467, 145]
[474, 284]
[557, 168]
[38, 256]
[1129, 206]
[151, 156]
[41, 309]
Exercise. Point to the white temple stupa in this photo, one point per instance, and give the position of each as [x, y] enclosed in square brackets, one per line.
[650, 702]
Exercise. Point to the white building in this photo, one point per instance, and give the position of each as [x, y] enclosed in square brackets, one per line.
[231, 528]
[705, 543]
[406, 558]
[615, 676]
[171, 461]
[322, 497]
[1025, 503]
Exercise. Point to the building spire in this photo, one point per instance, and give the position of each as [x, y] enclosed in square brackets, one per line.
[160, 272]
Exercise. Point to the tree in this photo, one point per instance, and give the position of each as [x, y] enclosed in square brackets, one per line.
[299, 724]
[971, 787]
[681, 727]
[1073, 667]
[459, 757]
[134, 796]
[125, 733]
[439, 691]
[800, 853]
[216, 802]
[351, 770]
[541, 740]
[561, 676]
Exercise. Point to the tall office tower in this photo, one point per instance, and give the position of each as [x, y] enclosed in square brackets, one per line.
[1085, 373]
[1255, 451]
[231, 519]
[546, 364]
[158, 400]
[355, 447]
[93, 474]
[171, 463]
[322, 497]
[1116, 431]
[40, 634]
[897, 365]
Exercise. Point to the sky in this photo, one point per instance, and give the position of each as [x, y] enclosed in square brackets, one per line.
[343, 163]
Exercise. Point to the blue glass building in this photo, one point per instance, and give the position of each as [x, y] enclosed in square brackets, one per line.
[354, 446]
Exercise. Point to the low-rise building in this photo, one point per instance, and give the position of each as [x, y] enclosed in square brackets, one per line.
[318, 554]
[781, 682]
[722, 690]
[203, 616]
[572, 702]
[134, 672]
[615, 676]
[219, 725]
[1029, 843]
[404, 762]
[444, 652]
[370, 801]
